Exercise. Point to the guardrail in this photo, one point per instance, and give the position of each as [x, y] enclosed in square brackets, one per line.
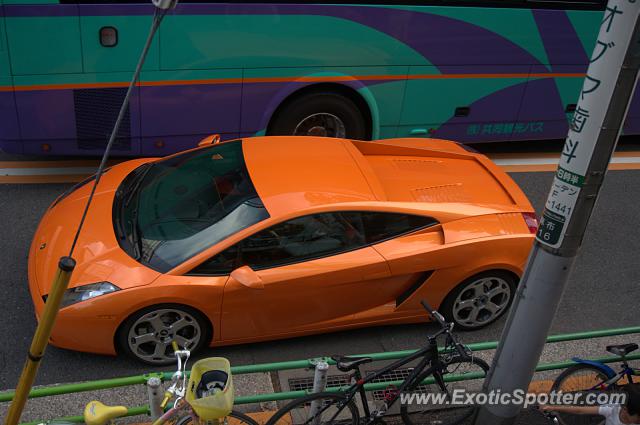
[306, 364]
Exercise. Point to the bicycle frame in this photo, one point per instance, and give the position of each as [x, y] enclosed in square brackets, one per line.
[626, 370]
[613, 377]
[429, 355]
[171, 413]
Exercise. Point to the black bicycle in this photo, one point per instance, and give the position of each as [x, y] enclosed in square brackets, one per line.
[453, 364]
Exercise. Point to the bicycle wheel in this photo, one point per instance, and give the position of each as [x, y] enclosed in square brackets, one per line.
[332, 408]
[426, 404]
[581, 378]
[234, 418]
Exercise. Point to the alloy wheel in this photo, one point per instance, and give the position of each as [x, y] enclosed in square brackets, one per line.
[150, 336]
[481, 301]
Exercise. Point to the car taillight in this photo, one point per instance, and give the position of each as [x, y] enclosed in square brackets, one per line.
[532, 222]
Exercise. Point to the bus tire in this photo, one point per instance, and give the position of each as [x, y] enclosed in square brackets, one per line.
[324, 114]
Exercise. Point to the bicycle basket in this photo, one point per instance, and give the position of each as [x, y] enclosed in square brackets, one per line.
[210, 388]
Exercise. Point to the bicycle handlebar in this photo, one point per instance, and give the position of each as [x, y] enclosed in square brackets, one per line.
[179, 376]
[434, 313]
[446, 327]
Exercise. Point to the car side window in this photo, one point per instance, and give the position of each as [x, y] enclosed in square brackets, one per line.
[221, 264]
[310, 237]
[300, 239]
[379, 226]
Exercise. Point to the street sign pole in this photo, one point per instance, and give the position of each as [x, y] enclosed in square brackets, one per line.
[593, 135]
[67, 264]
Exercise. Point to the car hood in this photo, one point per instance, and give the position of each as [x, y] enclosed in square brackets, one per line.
[97, 253]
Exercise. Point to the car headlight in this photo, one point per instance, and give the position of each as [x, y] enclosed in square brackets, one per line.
[85, 292]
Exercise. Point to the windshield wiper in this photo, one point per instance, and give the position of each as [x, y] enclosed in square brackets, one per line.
[126, 195]
[132, 189]
[135, 240]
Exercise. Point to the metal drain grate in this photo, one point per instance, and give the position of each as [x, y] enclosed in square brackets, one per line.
[394, 375]
[303, 384]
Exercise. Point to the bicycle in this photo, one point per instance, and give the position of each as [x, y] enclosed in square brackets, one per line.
[589, 376]
[206, 398]
[339, 407]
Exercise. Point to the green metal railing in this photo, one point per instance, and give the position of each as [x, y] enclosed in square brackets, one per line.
[309, 363]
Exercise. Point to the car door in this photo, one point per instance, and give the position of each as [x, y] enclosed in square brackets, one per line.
[316, 272]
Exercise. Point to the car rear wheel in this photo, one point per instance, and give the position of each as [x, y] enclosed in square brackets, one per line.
[147, 334]
[320, 114]
[480, 300]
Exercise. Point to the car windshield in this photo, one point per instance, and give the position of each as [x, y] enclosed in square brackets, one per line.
[171, 210]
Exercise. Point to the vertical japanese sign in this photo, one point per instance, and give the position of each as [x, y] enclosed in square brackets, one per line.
[606, 61]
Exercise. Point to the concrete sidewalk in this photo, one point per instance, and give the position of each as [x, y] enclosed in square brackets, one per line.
[48, 408]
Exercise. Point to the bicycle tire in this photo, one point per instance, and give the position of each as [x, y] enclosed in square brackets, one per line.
[240, 418]
[291, 413]
[451, 416]
[571, 375]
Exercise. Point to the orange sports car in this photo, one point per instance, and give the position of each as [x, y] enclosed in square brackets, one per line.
[275, 237]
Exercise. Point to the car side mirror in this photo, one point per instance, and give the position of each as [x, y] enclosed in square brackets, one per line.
[248, 277]
[214, 139]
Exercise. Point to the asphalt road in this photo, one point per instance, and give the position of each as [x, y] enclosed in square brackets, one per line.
[603, 291]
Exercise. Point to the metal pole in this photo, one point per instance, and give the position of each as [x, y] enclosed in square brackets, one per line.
[593, 134]
[40, 339]
[66, 264]
[156, 394]
[319, 384]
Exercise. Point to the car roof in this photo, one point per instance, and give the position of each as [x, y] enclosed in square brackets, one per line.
[294, 174]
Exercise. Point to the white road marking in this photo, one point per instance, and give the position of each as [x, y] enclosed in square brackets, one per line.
[55, 171]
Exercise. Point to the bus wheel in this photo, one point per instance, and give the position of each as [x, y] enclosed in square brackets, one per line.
[321, 115]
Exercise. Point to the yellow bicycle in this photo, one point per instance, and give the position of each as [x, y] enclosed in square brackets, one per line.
[206, 398]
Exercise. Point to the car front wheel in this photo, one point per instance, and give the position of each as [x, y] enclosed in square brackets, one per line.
[147, 334]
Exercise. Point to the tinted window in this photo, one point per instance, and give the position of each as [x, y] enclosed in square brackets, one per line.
[380, 226]
[299, 239]
[222, 264]
[295, 240]
[311, 237]
[173, 209]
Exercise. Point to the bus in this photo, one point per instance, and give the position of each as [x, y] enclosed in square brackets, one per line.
[465, 70]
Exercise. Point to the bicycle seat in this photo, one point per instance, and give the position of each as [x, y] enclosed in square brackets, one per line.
[622, 349]
[96, 413]
[345, 364]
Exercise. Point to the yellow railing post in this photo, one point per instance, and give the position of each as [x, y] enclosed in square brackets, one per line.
[40, 339]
